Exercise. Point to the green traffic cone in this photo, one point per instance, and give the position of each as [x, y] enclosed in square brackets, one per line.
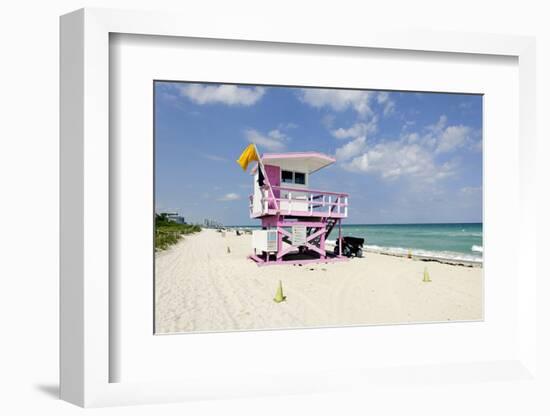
[279, 297]
[426, 275]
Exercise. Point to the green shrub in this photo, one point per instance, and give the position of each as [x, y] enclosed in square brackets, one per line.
[168, 232]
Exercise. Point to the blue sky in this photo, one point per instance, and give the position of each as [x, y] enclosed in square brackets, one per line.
[404, 157]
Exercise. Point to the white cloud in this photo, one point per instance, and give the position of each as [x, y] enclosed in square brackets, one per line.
[439, 126]
[411, 137]
[383, 98]
[351, 149]
[357, 130]
[391, 160]
[477, 145]
[407, 125]
[273, 140]
[338, 100]
[287, 126]
[443, 138]
[471, 190]
[466, 105]
[231, 196]
[328, 120]
[215, 158]
[453, 137]
[222, 94]
[276, 135]
[414, 154]
[358, 164]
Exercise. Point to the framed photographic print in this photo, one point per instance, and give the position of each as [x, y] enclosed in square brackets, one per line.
[360, 197]
[248, 215]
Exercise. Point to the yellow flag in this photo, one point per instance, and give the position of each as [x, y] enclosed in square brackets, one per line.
[248, 155]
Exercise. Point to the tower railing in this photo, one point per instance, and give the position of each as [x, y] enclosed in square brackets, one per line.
[301, 202]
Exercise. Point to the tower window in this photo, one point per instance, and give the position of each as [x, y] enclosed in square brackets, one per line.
[297, 178]
[287, 177]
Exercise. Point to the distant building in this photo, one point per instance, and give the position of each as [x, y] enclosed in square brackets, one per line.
[208, 223]
[174, 217]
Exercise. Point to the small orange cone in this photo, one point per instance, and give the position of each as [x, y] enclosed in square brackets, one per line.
[279, 297]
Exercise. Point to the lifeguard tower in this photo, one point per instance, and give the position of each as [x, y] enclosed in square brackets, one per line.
[296, 220]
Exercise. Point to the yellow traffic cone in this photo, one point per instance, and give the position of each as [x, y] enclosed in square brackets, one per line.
[279, 297]
[409, 254]
[426, 275]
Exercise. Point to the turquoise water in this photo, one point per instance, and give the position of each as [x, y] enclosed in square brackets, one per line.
[447, 241]
[455, 241]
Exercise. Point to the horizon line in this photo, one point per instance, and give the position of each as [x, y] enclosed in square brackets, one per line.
[396, 223]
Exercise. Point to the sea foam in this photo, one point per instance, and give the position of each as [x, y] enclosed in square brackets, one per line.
[477, 249]
[430, 254]
[436, 255]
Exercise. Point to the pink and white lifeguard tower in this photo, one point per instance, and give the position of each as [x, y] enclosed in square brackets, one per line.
[296, 220]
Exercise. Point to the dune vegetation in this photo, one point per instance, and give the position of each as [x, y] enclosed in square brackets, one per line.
[168, 232]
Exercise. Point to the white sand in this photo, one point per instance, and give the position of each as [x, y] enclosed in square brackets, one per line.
[201, 287]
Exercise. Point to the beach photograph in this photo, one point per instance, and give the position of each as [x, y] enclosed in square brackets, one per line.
[302, 207]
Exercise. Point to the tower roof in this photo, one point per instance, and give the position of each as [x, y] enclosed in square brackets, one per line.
[307, 162]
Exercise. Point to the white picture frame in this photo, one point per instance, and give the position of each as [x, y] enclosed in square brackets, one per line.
[85, 221]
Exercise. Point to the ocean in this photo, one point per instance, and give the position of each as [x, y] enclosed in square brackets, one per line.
[455, 241]
[451, 241]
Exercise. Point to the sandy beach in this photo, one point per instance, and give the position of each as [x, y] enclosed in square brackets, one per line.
[200, 286]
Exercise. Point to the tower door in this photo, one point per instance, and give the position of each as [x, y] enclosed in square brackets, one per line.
[274, 177]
